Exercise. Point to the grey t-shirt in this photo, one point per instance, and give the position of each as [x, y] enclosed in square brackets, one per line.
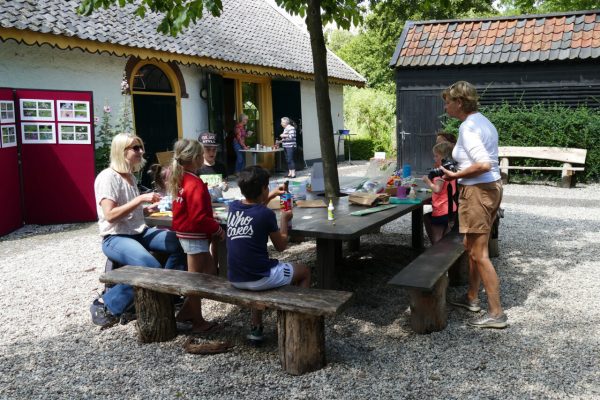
[110, 185]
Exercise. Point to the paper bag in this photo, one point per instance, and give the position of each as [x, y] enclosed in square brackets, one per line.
[369, 199]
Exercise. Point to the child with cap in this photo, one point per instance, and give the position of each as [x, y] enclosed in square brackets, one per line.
[211, 166]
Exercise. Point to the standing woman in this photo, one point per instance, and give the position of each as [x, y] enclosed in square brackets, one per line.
[239, 142]
[125, 237]
[476, 152]
[288, 141]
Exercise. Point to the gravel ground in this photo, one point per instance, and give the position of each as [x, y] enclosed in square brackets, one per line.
[548, 268]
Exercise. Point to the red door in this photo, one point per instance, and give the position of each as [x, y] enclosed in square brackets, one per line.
[10, 189]
[56, 133]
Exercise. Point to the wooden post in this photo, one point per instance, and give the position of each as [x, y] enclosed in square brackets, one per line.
[155, 316]
[417, 228]
[428, 309]
[301, 342]
[566, 178]
[504, 170]
[328, 254]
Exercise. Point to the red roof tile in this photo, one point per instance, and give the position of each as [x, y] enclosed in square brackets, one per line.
[500, 40]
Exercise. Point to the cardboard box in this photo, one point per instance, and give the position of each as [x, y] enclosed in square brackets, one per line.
[369, 199]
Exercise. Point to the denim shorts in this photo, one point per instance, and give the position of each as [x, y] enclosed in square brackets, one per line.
[194, 246]
[281, 275]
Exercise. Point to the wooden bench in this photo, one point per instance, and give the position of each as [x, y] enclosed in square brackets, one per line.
[426, 281]
[300, 315]
[568, 156]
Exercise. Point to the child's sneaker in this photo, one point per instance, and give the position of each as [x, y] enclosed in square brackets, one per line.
[256, 336]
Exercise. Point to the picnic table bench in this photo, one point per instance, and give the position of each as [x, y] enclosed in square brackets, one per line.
[426, 281]
[300, 311]
[567, 156]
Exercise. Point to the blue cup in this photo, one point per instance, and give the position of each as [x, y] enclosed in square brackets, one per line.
[406, 170]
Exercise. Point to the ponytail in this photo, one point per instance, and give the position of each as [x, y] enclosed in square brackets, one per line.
[184, 152]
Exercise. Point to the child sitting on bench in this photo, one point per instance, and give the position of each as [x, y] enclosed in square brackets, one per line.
[250, 223]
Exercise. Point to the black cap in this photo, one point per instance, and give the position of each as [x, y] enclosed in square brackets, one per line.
[208, 139]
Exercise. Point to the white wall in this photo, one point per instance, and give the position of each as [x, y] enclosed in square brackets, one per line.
[310, 126]
[33, 67]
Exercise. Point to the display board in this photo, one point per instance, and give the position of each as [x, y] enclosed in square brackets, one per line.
[56, 134]
[10, 189]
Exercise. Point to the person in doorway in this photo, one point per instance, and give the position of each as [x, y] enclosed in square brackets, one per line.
[250, 224]
[193, 223]
[125, 237]
[288, 142]
[437, 223]
[476, 153]
[211, 166]
[239, 142]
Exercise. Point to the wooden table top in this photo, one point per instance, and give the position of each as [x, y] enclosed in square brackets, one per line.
[312, 222]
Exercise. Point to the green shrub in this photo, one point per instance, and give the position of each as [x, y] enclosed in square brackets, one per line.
[546, 125]
[370, 113]
[361, 149]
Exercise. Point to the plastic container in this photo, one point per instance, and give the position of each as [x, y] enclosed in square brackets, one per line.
[298, 190]
[406, 170]
[402, 192]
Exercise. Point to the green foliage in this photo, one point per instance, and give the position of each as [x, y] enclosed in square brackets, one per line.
[104, 136]
[361, 149]
[368, 54]
[512, 7]
[370, 113]
[551, 125]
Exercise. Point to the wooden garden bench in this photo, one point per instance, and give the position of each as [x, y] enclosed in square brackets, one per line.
[568, 156]
[300, 316]
[426, 280]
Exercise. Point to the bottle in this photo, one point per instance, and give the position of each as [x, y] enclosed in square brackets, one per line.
[412, 195]
[330, 208]
[286, 201]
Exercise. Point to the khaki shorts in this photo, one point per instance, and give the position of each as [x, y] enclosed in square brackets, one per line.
[478, 205]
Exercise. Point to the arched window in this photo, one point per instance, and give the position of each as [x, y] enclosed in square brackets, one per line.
[150, 78]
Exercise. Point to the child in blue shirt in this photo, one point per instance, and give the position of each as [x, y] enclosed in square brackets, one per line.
[250, 223]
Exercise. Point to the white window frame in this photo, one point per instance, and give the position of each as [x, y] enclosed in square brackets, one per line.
[37, 117]
[5, 145]
[8, 120]
[74, 141]
[73, 118]
[38, 141]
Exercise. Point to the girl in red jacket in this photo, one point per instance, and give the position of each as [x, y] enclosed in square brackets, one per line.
[193, 222]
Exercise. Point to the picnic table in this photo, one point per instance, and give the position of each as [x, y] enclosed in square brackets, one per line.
[312, 222]
[256, 151]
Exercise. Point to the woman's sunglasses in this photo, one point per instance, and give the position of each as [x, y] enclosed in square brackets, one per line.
[137, 148]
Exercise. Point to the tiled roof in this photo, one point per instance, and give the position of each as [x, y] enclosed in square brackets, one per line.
[527, 38]
[248, 32]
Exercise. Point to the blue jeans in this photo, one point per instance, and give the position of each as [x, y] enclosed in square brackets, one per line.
[134, 250]
[240, 158]
[289, 157]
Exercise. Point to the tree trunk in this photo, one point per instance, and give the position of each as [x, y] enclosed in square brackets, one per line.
[314, 24]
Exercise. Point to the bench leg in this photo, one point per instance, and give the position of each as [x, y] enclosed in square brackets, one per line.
[504, 170]
[428, 309]
[301, 342]
[155, 316]
[566, 179]
[458, 274]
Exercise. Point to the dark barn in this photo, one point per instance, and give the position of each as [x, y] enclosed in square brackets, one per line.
[530, 58]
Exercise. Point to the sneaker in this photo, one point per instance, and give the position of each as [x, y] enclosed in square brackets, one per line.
[256, 336]
[487, 321]
[101, 316]
[464, 302]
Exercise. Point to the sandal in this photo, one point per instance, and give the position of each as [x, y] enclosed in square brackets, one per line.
[190, 346]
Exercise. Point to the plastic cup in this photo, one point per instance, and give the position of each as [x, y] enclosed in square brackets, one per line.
[402, 192]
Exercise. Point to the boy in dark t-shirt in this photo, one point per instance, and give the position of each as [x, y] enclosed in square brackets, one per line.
[211, 166]
[249, 226]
